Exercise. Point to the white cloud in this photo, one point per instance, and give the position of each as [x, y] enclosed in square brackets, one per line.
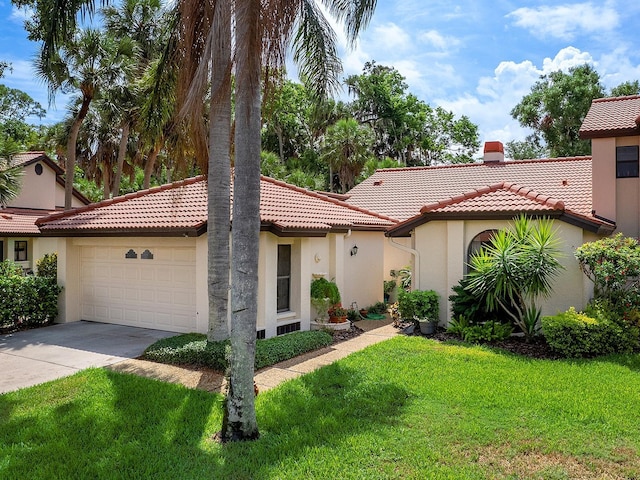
[438, 41]
[390, 36]
[490, 105]
[566, 21]
[20, 15]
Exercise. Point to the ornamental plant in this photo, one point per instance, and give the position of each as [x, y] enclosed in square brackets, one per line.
[613, 265]
[515, 269]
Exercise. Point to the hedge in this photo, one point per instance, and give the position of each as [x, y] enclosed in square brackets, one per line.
[193, 349]
[27, 301]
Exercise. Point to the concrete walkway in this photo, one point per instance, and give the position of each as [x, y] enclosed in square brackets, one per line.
[35, 356]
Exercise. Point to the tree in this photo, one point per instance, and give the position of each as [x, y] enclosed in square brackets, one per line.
[10, 181]
[625, 89]
[516, 268]
[556, 107]
[15, 134]
[346, 149]
[524, 150]
[406, 128]
[85, 63]
[17, 105]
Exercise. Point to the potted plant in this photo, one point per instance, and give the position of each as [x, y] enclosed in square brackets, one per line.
[324, 295]
[337, 315]
[421, 307]
[389, 289]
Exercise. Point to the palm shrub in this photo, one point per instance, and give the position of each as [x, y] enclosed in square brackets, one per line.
[516, 268]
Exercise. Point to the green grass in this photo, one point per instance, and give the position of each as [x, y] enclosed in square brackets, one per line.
[406, 408]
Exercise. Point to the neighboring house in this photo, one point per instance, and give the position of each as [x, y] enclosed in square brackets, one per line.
[41, 194]
[141, 259]
[447, 212]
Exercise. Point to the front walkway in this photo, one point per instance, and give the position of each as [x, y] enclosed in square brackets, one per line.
[267, 378]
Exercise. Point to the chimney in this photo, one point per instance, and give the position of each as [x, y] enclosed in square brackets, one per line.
[493, 152]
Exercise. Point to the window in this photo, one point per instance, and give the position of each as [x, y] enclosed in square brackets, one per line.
[627, 162]
[1, 251]
[479, 241]
[20, 251]
[284, 278]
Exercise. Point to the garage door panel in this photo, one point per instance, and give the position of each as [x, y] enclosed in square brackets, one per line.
[154, 293]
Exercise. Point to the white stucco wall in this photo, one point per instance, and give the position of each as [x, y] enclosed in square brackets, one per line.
[38, 191]
[364, 272]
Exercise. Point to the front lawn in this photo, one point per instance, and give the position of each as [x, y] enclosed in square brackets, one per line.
[405, 408]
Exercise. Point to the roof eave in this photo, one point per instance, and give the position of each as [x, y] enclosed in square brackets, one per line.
[120, 232]
[622, 132]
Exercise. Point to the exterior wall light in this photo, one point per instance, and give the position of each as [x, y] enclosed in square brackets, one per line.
[354, 250]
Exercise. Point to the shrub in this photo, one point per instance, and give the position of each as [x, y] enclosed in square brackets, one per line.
[490, 331]
[47, 266]
[574, 334]
[378, 307]
[323, 288]
[10, 269]
[193, 349]
[613, 264]
[418, 304]
[27, 301]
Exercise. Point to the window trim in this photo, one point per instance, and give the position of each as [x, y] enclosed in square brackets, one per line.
[629, 159]
[479, 243]
[17, 250]
[281, 275]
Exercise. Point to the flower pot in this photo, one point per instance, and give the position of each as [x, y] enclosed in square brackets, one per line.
[427, 327]
[335, 319]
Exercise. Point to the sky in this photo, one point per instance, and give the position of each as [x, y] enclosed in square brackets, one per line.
[476, 58]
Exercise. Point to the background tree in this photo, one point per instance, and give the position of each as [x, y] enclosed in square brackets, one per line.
[10, 181]
[524, 150]
[625, 89]
[346, 149]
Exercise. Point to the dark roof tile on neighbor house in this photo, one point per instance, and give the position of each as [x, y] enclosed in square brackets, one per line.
[180, 208]
[401, 193]
[612, 117]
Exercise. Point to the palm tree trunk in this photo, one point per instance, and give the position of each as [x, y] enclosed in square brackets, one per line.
[122, 151]
[241, 421]
[71, 152]
[219, 177]
[149, 166]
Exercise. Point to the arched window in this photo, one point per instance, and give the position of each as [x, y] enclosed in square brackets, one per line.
[479, 241]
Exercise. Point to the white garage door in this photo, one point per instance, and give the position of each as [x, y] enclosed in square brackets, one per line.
[141, 286]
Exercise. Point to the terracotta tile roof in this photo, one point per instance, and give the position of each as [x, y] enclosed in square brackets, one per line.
[401, 193]
[181, 208]
[24, 158]
[611, 117]
[20, 221]
[502, 197]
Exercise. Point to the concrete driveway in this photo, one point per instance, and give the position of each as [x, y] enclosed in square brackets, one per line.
[40, 355]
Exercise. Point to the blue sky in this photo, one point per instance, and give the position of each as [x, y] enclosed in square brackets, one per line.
[476, 57]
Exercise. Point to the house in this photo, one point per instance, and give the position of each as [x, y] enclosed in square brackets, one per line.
[41, 194]
[445, 213]
[141, 259]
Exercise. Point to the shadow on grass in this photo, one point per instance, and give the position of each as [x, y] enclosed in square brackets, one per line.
[102, 424]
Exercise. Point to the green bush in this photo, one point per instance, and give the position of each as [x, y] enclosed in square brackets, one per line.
[47, 266]
[574, 334]
[418, 304]
[489, 331]
[193, 349]
[323, 288]
[27, 301]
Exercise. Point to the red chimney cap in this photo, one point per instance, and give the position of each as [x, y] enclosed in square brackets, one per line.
[493, 147]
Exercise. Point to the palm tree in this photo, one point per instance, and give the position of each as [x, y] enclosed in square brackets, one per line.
[10, 182]
[516, 268]
[86, 62]
[347, 147]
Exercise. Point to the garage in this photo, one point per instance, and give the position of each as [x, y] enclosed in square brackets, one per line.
[140, 285]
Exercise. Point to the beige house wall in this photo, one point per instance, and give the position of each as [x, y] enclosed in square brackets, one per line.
[444, 247]
[363, 272]
[38, 191]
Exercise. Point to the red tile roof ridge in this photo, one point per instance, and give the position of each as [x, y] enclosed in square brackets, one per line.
[325, 198]
[615, 99]
[509, 186]
[531, 194]
[122, 198]
[482, 164]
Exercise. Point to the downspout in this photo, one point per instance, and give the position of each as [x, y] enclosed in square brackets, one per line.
[415, 275]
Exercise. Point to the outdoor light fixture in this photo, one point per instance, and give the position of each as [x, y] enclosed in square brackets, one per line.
[354, 250]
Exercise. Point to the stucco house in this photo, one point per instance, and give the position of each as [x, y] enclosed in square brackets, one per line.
[445, 212]
[42, 193]
[141, 259]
